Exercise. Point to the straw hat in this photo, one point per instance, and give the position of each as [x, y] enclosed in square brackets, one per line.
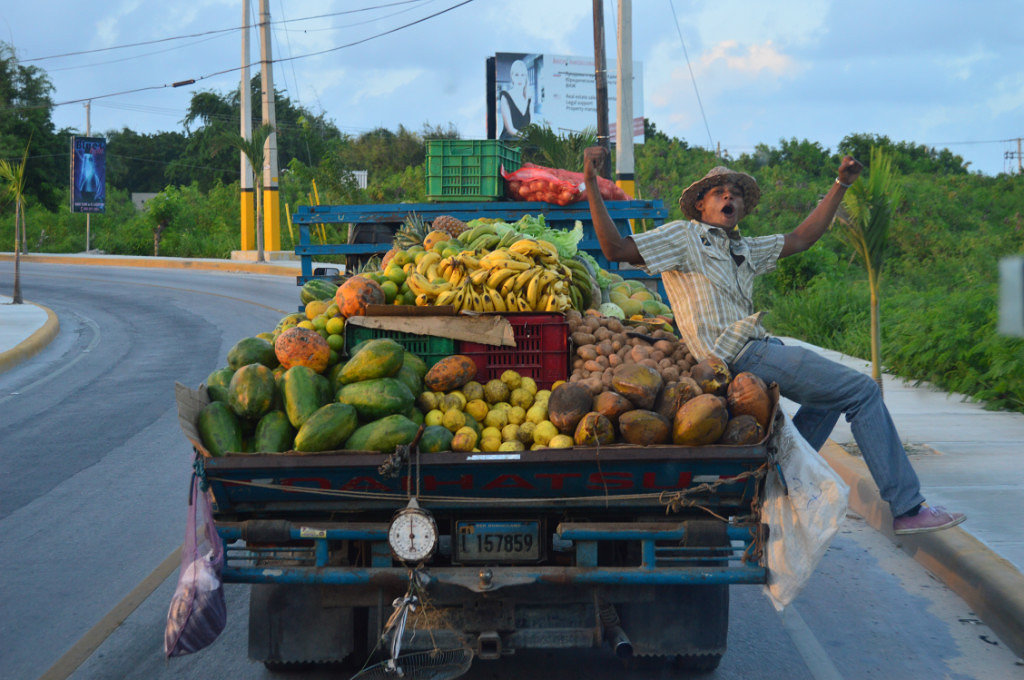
[716, 176]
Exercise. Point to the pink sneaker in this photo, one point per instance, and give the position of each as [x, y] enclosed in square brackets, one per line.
[927, 519]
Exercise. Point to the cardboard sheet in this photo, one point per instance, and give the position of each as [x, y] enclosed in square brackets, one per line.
[485, 329]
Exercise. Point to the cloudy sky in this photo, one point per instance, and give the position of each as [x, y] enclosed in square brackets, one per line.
[944, 73]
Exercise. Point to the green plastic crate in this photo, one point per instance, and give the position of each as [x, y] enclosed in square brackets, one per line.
[430, 348]
[468, 169]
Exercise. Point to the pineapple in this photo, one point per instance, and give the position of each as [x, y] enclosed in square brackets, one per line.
[453, 225]
[411, 233]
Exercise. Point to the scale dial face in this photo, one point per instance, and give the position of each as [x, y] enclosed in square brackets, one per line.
[413, 535]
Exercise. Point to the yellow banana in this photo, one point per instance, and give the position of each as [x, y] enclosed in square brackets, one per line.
[510, 302]
[498, 276]
[487, 301]
[519, 257]
[445, 297]
[422, 300]
[523, 277]
[429, 258]
[469, 261]
[458, 276]
[498, 301]
[479, 277]
[433, 273]
[548, 247]
[459, 302]
[478, 300]
[418, 283]
[537, 286]
[524, 306]
[493, 258]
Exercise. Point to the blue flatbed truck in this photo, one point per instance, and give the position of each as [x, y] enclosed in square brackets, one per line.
[626, 548]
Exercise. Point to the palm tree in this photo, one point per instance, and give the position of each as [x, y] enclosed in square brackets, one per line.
[253, 151]
[868, 210]
[554, 150]
[14, 176]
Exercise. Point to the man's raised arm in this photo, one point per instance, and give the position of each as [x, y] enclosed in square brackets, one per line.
[814, 226]
[614, 246]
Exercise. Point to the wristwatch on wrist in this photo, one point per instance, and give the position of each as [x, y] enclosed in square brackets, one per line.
[840, 183]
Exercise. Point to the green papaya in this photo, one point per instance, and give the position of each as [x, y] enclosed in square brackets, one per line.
[378, 358]
[416, 363]
[415, 415]
[274, 433]
[324, 391]
[217, 384]
[252, 350]
[383, 435]
[435, 438]
[302, 394]
[408, 375]
[219, 429]
[251, 391]
[327, 429]
[376, 398]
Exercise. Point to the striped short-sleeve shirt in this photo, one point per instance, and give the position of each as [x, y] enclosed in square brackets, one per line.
[710, 294]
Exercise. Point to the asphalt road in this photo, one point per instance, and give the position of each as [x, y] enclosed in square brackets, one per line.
[94, 476]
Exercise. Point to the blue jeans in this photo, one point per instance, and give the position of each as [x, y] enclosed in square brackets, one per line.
[824, 390]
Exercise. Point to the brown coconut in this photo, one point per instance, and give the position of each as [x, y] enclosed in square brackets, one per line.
[712, 374]
[644, 428]
[741, 431]
[567, 405]
[612, 405]
[640, 384]
[700, 421]
[748, 395]
[594, 430]
[674, 395]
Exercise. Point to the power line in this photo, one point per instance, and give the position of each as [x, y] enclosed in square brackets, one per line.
[213, 32]
[711, 140]
[239, 68]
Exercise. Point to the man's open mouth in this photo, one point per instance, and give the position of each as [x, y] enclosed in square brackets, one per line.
[728, 210]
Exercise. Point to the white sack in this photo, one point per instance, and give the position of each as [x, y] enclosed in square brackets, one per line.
[802, 523]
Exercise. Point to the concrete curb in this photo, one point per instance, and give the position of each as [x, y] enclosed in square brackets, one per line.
[988, 583]
[168, 263]
[34, 343]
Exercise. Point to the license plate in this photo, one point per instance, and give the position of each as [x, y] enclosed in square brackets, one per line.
[498, 541]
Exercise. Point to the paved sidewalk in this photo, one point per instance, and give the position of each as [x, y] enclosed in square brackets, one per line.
[967, 458]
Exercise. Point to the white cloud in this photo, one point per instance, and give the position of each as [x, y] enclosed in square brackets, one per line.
[749, 60]
[1007, 95]
[790, 23]
[540, 25]
[378, 83]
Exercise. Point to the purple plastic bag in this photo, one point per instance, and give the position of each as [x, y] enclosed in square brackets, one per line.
[198, 612]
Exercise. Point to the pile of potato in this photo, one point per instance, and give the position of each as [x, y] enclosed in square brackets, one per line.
[603, 343]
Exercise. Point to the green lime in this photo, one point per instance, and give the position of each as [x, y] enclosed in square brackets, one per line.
[390, 289]
[336, 342]
[335, 326]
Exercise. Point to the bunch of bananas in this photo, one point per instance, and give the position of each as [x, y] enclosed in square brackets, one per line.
[513, 274]
[581, 293]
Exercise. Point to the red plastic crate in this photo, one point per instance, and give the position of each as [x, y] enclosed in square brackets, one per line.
[541, 351]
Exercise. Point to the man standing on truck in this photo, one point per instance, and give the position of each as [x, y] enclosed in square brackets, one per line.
[708, 271]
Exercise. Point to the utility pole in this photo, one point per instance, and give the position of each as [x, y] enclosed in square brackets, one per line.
[271, 197]
[88, 133]
[601, 81]
[624, 95]
[248, 210]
